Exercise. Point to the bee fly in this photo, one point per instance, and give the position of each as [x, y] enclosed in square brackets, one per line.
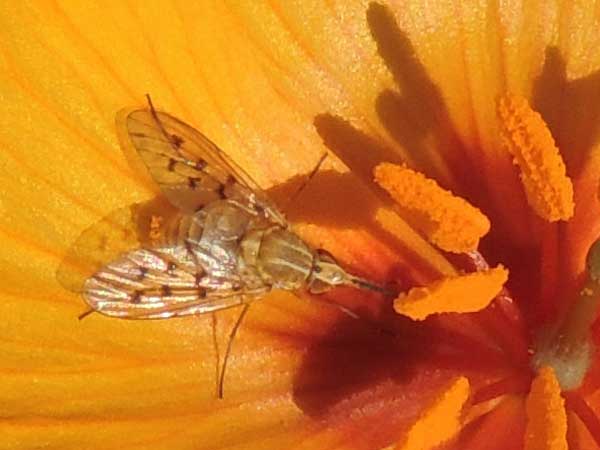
[227, 244]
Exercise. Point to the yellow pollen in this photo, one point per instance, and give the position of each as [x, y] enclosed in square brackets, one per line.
[527, 138]
[464, 293]
[447, 221]
[441, 421]
[546, 415]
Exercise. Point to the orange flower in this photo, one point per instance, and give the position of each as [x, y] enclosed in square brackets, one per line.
[447, 90]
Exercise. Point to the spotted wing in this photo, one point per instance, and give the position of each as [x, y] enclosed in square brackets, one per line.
[123, 230]
[165, 282]
[191, 170]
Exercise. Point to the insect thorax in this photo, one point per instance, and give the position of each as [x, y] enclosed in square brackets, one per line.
[282, 259]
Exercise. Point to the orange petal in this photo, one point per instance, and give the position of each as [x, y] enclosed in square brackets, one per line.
[251, 76]
[255, 77]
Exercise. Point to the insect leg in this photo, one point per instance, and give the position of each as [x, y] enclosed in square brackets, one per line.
[342, 308]
[305, 183]
[228, 350]
[213, 317]
[352, 314]
[84, 314]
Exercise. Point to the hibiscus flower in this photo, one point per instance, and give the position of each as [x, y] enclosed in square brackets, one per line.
[490, 343]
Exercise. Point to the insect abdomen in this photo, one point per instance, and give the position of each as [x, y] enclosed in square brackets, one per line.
[183, 228]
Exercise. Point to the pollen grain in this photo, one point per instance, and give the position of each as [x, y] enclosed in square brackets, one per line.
[525, 135]
[448, 221]
[439, 422]
[546, 417]
[460, 294]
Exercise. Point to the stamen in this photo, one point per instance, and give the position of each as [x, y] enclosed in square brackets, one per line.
[447, 221]
[527, 138]
[546, 415]
[567, 348]
[441, 421]
[465, 293]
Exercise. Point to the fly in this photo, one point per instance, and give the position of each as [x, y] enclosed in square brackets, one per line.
[223, 245]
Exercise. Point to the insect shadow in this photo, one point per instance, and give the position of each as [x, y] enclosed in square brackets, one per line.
[353, 358]
[341, 201]
[354, 362]
[330, 199]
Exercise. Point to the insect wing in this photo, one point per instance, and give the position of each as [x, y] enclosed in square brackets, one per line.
[190, 169]
[123, 230]
[161, 283]
[120, 266]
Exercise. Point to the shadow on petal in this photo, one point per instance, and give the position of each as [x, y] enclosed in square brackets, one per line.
[360, 152]
[338, 201]
[367, 361]
[418, 119]
[571, 108]
[351, 358]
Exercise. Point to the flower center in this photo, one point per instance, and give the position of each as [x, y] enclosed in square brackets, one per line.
[566, 347]
[562, 354]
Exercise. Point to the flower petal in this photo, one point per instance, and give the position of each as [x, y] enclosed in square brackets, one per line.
[276, 87]
[249, 76]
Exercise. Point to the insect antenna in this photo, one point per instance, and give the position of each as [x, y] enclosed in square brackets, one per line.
[339, 306]
[364, 284]
[228, 350]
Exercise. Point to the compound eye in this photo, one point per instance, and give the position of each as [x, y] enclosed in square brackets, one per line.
[318, 287]
[324, 255]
